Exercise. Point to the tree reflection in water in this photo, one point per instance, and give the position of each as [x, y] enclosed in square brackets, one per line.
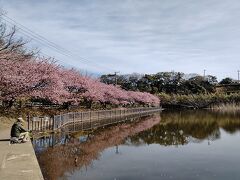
[175, 128]
[179, 128]
[70, 155]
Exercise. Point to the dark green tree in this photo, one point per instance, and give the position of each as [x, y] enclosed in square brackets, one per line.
[227, 80]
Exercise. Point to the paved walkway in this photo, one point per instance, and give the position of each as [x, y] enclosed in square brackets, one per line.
[17, 161]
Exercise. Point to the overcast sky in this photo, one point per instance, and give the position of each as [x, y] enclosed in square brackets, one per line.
[144, 36]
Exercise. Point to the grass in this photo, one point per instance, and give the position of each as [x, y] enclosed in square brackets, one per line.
[227, 107]
[199, 101]
[6, 122]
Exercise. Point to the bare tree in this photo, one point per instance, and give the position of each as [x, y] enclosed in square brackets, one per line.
[13, 47]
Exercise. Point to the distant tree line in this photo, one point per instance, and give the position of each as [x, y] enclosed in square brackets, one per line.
[164, 82]
[176, 89]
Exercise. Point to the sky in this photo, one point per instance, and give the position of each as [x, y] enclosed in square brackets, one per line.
[143, 36]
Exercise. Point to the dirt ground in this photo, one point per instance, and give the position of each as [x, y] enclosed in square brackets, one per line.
[8, 117]
[5, 122]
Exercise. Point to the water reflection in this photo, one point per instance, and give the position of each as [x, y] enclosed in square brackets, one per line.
[62, 155]
[179, 128]
[70, 152]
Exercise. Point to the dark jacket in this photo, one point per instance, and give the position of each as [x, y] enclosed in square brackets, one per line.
[17, 129]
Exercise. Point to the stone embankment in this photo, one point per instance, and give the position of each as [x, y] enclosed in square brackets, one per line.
[17, 161]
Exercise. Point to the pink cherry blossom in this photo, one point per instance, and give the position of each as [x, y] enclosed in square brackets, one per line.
[41, 78]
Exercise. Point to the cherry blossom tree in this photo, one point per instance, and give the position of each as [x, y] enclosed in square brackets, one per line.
[26, 76]
[41, 78]
[31, 78]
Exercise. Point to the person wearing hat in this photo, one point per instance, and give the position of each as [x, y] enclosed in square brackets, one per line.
[18, 133]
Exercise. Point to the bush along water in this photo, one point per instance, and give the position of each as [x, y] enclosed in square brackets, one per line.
[199, 101]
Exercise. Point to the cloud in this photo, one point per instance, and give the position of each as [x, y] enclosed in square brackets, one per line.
[138, 36]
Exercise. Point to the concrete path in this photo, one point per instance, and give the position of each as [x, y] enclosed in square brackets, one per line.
[17, 161]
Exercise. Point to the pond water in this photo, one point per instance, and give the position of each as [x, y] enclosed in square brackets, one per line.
[171, 145]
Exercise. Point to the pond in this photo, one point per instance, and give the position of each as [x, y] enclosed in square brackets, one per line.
[168, 145]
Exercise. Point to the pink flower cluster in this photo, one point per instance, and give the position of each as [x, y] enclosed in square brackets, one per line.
[31, 78]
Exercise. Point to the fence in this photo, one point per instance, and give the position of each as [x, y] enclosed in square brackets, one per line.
[85, 120]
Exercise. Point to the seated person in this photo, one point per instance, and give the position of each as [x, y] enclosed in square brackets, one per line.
[18, 134]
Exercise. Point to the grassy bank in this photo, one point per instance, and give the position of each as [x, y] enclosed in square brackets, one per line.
[5, 122]
[200, 101]
[8, 116]
[227, 107]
